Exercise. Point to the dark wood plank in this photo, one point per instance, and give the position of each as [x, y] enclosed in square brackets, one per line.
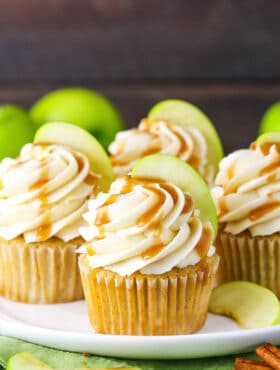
[235, 109]
[109, 40]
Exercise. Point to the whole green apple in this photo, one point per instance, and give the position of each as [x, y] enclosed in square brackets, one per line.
[82, 107]
[271, 119]
[16, 129]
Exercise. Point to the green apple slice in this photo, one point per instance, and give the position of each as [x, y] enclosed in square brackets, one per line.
[26, 361]
[165, 167]
[271, 119]
[269, 137]
[187, 114]
[251, 305]
[82, 141]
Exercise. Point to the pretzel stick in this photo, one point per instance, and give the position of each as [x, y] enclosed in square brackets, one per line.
[270, 354]
[245, 364]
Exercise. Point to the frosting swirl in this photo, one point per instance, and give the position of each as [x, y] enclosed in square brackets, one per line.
[43, 193]
[248, 193]
[157, 136]
[144, 226]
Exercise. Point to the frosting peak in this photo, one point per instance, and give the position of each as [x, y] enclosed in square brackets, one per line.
[248, 193]
[43, 193]
[144, 226]
[158, 136]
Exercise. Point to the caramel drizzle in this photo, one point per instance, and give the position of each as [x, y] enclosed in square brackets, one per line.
[270, 168]
[261, 211]
[153, 251]
[222, 207]
[204, 243]
[44, 230]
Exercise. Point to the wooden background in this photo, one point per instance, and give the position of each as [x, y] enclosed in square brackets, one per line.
[223, 55]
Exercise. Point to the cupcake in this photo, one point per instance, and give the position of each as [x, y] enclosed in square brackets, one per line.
[248, 204]
[160, 136]
[148, 264]
[173, 127]
[44, 192]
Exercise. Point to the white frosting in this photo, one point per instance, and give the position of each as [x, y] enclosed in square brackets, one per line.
[43, 193]
[143, 226]
[248, 193]
[157, 136]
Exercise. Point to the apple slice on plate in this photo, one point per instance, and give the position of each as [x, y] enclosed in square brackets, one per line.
[165, 167]
[78, 139]
[251, 305]
[187, 114]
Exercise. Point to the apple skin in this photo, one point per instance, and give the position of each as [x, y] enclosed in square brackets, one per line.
[271, 119]
[82, 107]
[16, 129]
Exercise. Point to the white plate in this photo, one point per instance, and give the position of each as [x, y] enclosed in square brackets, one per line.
[66, 327]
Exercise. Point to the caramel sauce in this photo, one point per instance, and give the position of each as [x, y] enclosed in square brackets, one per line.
[43, 178]
[194, 162]
[222, 207]
[153, 251]
[151, 150]
[149, 214]
[184, 146]
[80, 161]
[170, 189]
[230, 189]
[43, 232]
[102, 216]
[188, 204]
[91, 180]
[90, 251]
[111, 199]
[204, 243]
[272, 177]
[38, 184]
[253, 146]
[261, 211]
[271, 167]
[230, 172]
[264, 147]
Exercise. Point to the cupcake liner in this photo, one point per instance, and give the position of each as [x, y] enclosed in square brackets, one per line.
[45, 272]
[255, 259]
[169, 304]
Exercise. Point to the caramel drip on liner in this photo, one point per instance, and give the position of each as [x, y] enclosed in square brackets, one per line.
[261, 211]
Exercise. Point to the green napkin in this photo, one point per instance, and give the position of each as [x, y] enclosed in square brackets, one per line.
[68, 360]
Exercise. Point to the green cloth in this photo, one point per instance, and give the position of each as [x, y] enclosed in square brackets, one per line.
[69, 360]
